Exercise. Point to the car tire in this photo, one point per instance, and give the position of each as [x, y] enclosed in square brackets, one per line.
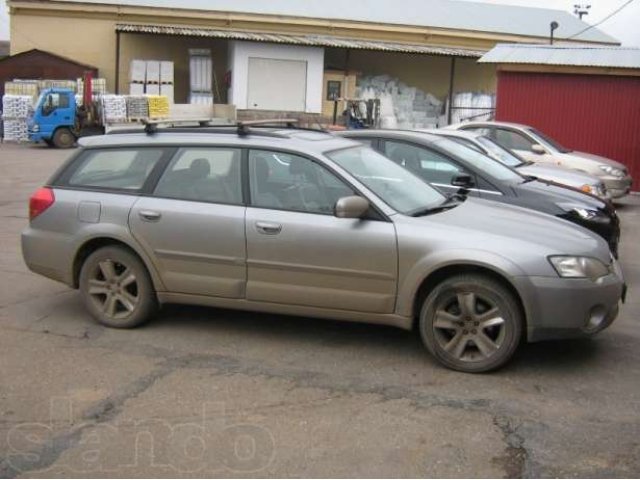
[116, 288]
[471, 323]
[63, 138]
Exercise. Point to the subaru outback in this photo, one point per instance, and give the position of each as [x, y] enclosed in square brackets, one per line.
[304, 223]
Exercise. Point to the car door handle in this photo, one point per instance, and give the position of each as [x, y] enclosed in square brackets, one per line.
[268, 228]
[149, 215]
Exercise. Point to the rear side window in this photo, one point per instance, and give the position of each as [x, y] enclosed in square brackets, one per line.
[203, 175]
[126, 169]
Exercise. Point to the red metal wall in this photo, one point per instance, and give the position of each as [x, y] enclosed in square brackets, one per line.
[592, 113]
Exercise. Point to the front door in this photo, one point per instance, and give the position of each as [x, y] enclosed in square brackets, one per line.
[193, 225]
[299, 253]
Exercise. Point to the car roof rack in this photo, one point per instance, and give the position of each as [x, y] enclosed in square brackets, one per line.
[216, 125]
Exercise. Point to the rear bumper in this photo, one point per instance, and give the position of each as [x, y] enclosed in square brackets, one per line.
[567, 308]
[46, 253]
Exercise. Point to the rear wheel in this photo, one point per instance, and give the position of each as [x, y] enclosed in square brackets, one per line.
[471, 323]
[64, 138]
[116, 288]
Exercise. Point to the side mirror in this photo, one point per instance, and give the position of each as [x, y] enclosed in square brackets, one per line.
[462, 181]
[351, 207]
[538, 149]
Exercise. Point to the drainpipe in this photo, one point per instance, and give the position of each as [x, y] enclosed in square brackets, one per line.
[117, 63]
[451, 82]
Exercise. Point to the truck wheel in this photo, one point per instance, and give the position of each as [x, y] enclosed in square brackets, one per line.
[63, 138]
[116, 288]
[471, 323]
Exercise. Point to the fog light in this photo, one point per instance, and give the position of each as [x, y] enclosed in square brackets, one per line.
[596, 320]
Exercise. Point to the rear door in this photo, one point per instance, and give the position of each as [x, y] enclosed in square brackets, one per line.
[299, 253]
[193, 223]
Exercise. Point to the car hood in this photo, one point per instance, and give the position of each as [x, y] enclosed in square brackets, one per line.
[595, 159]
[559, 174]
[513, 231]
[552, 192]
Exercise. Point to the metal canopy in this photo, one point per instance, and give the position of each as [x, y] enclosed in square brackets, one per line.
[564, 55]
[305, 40]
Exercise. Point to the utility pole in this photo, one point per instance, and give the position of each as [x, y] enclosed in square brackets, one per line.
[581, 9]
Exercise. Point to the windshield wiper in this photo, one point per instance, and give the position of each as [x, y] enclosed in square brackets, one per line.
[450, 202]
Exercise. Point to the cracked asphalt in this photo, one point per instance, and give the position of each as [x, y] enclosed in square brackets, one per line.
[209, 392]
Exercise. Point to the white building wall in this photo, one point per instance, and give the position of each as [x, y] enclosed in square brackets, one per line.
[240, 52]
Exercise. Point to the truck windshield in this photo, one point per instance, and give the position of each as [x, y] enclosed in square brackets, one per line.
[393, 184]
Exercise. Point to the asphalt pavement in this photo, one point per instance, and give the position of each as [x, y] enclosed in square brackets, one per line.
[217, 393]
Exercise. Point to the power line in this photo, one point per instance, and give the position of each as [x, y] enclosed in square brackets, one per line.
[628, 2]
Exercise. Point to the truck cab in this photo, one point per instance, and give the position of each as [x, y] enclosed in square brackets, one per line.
[54, 118]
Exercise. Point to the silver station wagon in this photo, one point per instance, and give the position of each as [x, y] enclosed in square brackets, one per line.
[304, 223]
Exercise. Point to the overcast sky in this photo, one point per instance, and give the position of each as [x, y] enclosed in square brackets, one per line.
[625, 26]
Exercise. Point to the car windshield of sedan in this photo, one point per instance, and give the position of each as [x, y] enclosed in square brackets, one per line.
[499, 153]
[396, 186]
[549, 141]
[482, 162]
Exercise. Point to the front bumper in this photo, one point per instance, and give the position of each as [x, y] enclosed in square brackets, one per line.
[566, 308]
[618, 187]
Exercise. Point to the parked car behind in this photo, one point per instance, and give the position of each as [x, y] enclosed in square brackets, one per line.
[564, 176]
[306, 223]
[533, 145]
[449, 166]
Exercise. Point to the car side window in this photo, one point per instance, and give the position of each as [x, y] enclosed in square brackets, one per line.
[204, 174]
[512, 140]
[289, 182]
[426, 163]
[125, 169]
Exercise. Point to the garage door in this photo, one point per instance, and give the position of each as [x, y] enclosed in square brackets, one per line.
[277, 84]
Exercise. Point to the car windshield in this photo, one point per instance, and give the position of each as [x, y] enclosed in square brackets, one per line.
[480, 161]
[396, 186]
[499, 153]
[549, 141]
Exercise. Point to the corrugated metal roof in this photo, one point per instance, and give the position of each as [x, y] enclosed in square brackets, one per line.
[306, 40]
[565, 55]
[450, 14]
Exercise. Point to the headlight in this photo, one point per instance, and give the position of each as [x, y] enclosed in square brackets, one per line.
[579, 267]
[581, 211]
[616, 172]
[35, 128]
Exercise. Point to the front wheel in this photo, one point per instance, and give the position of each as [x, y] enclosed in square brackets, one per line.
[471, 323]
[64, 138]
[116, 288]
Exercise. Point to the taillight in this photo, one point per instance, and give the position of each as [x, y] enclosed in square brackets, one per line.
[42, 199]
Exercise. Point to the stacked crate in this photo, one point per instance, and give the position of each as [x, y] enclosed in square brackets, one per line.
[98, 86]
[114, 109]
[16, 110]
[201, 77]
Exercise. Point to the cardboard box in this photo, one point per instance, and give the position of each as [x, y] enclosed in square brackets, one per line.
[166, 90]
[153, 89]
[138, 71]
[166, 72]
[136, 89]
[153, 71]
